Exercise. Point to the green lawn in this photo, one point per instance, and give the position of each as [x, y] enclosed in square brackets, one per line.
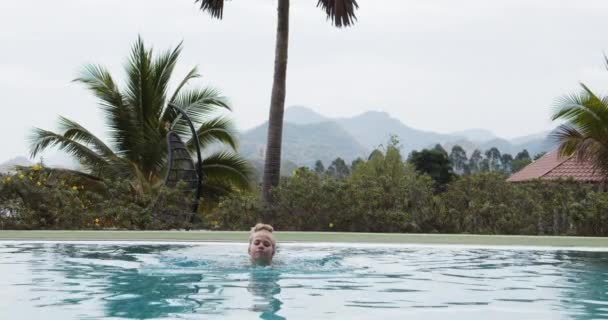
[308, 237]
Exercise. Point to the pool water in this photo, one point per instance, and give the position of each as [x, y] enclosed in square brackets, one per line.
[322, 281]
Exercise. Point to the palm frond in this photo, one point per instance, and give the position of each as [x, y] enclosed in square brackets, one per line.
[146, 80]
[569, 139]
[585, 148]
[228, 167]
[162, 70]
[570, 106]
[586, 111]
[199, 105]
[73, 130]
[585, 133]
[341, 12]
[100, 82]
[170, 113]
[218, 130]
[214, 7]
[193, 74]
[597, 104]
[139, 93]
[120, 119]
[42, 139]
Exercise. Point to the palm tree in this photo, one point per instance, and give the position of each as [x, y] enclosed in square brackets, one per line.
[585, 133]
[342, 14]
[138, 120]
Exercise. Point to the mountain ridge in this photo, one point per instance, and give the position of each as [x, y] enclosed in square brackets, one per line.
[309, 136]
[372, 129]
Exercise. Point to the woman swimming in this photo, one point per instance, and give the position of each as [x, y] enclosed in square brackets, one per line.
[262, 245]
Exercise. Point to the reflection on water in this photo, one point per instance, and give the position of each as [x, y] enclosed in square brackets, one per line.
[93, 281]
[264, 285]
[587, 274]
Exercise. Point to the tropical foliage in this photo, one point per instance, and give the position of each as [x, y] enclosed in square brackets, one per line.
[585, 131]
[386, 194]
[41, 198]
[138, 119]
[382, 194]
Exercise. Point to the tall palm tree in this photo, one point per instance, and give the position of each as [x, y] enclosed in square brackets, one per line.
[138, 120]
[342, 14]
[585, 133]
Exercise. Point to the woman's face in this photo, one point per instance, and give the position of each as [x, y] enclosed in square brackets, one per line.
[261, 249]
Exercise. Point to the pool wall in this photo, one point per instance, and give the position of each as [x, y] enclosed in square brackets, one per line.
[342, 237]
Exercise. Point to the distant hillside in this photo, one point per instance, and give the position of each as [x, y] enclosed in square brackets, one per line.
[303, 115]
[10, 164]
[480, 135]
[534, 146]
[374, 128]
[305, 143]
[538, 144]
[531, 138]
[309, 136]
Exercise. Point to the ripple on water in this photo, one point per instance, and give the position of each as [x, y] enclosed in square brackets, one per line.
[173, 281]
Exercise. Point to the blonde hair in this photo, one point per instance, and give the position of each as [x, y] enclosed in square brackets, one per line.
[262, 227]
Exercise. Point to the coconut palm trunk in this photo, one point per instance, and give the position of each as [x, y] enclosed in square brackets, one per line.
[342, 14]
[272, 162]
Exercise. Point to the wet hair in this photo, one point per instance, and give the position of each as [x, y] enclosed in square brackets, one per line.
[262, 227]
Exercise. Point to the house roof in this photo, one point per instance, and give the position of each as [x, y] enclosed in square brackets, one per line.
[551, 167]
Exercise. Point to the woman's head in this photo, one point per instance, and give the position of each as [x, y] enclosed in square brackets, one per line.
[262, 244]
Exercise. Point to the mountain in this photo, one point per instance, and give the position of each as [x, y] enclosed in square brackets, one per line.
[534, 146]
[309, 136]
[10, 164]
[538, 143]
[531, 137]
[374, 128]
[303, 115]
[480, 135]
[305, 143]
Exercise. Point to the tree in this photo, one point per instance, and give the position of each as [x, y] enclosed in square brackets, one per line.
[355, 163]
[475, 161]
[319, 167]
[338, 169]
[523, 155]
[434, 163]
[138, 118]
[522, 159]
[484, 165]
[439, 148]
[585, 132]
[342, 14]
[458, 159]
[539, 155]
[505, 161]
[493, 156]
[375, 153]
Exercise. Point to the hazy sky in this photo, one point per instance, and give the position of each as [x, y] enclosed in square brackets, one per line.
[440, 65]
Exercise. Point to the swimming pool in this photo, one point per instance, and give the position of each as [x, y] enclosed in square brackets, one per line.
[60, 280]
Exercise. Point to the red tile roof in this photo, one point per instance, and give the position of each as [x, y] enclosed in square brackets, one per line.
[551, 167]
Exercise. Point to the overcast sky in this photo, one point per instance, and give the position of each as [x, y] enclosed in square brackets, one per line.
[440, 65]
